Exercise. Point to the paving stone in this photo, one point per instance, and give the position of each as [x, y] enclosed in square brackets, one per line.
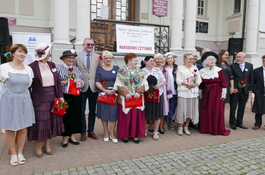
[50, 173]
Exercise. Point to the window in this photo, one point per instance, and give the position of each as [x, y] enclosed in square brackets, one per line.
[118, 9]
[237, 4]
[201, 7]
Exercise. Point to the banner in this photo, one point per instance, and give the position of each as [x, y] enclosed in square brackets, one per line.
[135, 39]
[30, 40]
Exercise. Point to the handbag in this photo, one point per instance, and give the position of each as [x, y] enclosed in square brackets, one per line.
[133, 103]
[59, 107]
[108, 99]
[151, 96]
[71, 87]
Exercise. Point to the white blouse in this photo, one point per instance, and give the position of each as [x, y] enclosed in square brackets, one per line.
[156, 72]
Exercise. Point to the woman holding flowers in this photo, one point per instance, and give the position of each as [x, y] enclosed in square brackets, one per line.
[72, 119]
[188, 80]
[214, 89]
[16, 107]
[105, 79]
[46, 86]
[130, 84]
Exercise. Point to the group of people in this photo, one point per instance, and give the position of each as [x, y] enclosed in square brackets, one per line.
[151, 97]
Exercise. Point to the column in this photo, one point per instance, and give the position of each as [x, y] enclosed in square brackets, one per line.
[190, 25]
[82, 20]
[252, 27]
[61, 21]
[176, 24]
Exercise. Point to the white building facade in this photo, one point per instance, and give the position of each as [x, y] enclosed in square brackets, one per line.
[69, 22]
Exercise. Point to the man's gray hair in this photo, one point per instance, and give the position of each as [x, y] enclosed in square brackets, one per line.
[88, 39]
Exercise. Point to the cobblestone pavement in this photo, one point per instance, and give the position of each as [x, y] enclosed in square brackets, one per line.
[239, 157]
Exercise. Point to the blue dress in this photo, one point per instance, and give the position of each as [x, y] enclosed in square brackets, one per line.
[16, 108]
[107, 112]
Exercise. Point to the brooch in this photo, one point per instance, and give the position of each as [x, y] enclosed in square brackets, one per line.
[54, 70]
[113, 71]
[246, 69]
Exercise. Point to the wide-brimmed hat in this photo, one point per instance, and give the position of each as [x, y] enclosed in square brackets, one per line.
[41, 51]
[66, 53]
[206, 54]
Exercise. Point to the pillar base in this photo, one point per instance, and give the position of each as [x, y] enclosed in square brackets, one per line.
[254, 59]
[57, 51]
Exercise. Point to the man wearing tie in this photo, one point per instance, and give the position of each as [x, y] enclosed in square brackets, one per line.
[87, 61]
[243, 83]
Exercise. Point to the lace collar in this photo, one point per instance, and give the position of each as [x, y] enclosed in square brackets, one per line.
[210, 72]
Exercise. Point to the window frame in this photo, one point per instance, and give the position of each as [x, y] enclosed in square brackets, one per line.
[233, 7]
[204, 7]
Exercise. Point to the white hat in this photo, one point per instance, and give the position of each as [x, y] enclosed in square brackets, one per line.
[41, 51]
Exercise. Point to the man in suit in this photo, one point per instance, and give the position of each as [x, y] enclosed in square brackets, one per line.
[195, 57]
[259, 91]
[243, 83]
[87, 61]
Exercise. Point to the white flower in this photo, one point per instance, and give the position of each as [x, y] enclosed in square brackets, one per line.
[72, 50]
[54, 70]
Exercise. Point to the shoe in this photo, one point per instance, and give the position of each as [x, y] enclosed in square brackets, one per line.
[21, 159]
[92, 135]
[113, 140]
[64, 145]
[170, 127]
[125, 140]
[242, 126]
[14, 160]
[155, 136]
[106, 139]
[150, 130]
[39, 155]
[136, 140]
[161, 132]
[180, 131]
[233, 127]
[145, 133]
[49, 153]
[74, 143]
[165, 127]
[256, 127]
[83, 138]
[186, 130]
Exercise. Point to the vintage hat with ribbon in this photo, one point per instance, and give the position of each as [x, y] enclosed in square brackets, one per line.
[41, 51]
[207, 54]
[66, 53]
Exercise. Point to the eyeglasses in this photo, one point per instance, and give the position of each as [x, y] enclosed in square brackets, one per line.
[70, 58]
[107, 58]
[89, 44]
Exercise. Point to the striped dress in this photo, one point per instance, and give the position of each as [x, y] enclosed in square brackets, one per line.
[16, 109]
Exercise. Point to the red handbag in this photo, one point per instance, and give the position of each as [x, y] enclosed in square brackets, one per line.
[133, 102]
[151, 96]
[109, 99]
[71, 87]
[59, 107]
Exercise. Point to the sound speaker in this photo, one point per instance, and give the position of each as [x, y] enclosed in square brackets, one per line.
[4, 32]
[235, 45]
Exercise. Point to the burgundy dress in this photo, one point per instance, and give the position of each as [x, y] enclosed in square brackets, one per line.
[212, 107]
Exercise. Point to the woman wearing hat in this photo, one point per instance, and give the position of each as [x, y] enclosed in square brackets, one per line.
[16, 107]
[46, 86]
[214, 89]
[72, 119]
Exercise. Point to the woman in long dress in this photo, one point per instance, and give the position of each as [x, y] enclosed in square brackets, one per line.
[213, 95]
[105, 79]
[16, 107]
[188, 80]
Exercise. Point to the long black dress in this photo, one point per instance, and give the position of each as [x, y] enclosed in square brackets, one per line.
[228, 76]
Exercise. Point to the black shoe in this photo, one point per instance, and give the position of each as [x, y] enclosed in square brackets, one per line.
[242, 126]
[150, 130]
[74, 143]
[125, 140]
[64, 145]
[233, 127]
[136, 141]
[161, 132]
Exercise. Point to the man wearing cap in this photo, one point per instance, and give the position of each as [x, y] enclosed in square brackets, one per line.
[243, 83]
[87, 61]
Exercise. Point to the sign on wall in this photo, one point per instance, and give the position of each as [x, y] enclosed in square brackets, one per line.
[160, 7]
[135, 39]
[30, 40]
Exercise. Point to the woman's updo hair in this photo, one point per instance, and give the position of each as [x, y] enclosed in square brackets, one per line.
[14, 48]
[129, 56]
[106, 54]
[205, 62]
[147, 58]
[158, 55]
[185, 55]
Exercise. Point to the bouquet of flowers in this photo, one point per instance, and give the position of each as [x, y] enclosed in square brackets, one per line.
[59, 107]
[151, 96]
[72, 87]
[104, 83]
[195, 72]
[71, 75]
[242, 83]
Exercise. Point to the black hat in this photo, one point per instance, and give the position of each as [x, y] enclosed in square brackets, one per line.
[68, 53]
[152, 81]
[204, 56]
